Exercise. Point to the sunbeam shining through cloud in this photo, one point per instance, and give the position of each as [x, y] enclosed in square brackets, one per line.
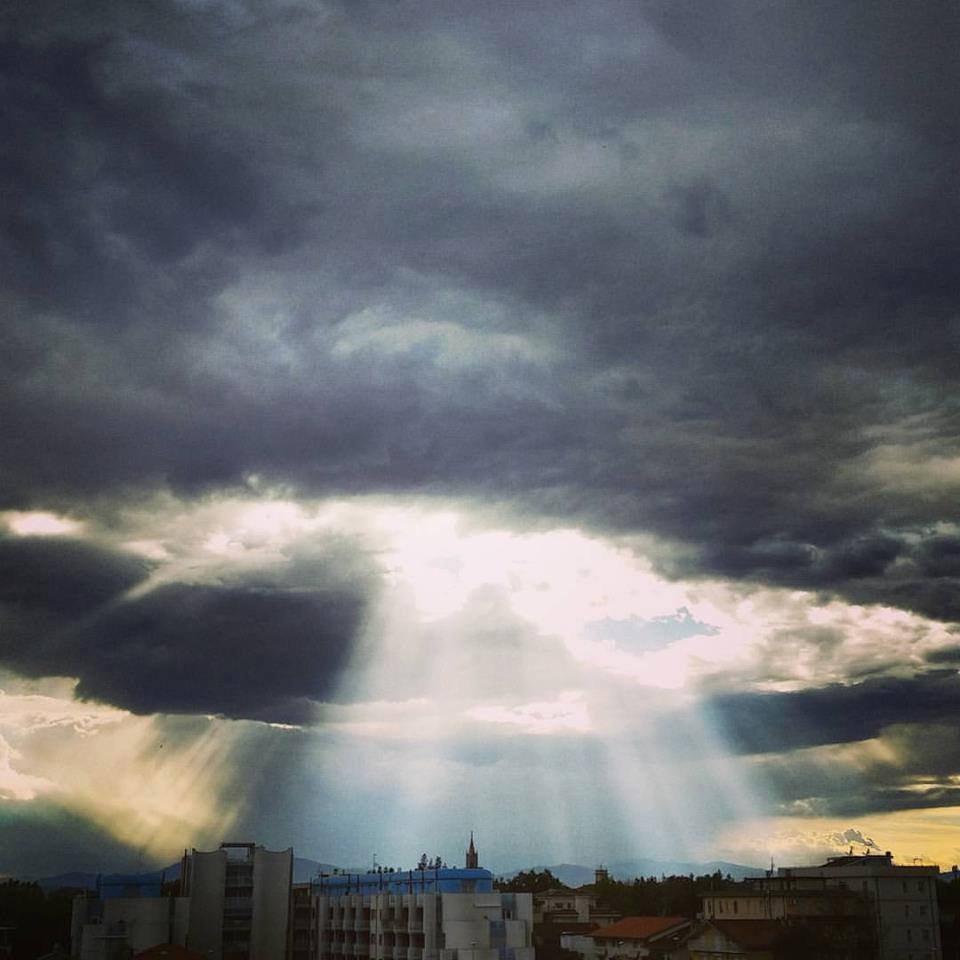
[538, 419]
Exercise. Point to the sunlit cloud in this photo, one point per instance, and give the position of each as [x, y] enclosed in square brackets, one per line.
[149, 787]
[494, 637]
[912, 836]
[40, 524]
[568, 712]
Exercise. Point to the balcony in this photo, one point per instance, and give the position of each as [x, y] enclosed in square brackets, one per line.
[237, 904]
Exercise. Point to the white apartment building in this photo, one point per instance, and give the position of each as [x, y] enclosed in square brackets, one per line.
[435, 913]
[233, 904]
[115, 927]
[425, 926]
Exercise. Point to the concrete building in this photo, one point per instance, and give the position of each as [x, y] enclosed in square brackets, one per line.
[561, 905]
[737, 940]
[850, 904]
[562, 917]
[126, 914]
[635, 938]
[240, 901]
[770, 900]
[902, 899]
[303, 925]
[434, 913]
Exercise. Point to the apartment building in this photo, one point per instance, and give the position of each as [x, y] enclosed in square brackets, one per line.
[127, 913]
[902, 899]
[240, 901]
[846, 901]
[433, 913]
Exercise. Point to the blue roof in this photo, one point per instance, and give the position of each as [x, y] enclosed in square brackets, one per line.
[443, 880]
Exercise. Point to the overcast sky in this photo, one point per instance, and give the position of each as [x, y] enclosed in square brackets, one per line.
[536, 418]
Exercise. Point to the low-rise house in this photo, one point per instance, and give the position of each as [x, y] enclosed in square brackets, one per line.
[633, 938]
[770, 899]
[736, 940]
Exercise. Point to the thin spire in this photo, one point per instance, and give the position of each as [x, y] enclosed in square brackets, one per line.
[473, 858]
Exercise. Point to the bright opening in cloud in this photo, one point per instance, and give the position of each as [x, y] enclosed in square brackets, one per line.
[39, 524]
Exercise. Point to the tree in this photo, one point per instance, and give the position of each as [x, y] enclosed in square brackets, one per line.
[528, 881]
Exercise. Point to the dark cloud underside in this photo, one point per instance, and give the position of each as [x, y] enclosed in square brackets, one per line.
[838, 713]
[236, 649]
[642, 266]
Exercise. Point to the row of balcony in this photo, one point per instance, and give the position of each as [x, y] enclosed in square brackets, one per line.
[402, 939]
[341, 951]
[412, 925]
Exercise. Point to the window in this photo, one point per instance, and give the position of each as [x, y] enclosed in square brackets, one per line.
[920, 886]
[736, 907]
[906, 909]
[904, 886]
[926, 935]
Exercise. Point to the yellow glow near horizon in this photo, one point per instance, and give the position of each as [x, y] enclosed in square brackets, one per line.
[122, 772]
[929, 836]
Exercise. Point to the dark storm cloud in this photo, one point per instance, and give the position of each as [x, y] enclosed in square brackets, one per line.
[63, 579]
[917, 769]
[727, 238]
[41, 839]
[235, 649]
[794, 735]
[838, 713]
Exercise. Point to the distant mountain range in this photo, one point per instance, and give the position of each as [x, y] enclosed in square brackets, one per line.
[303, 870]
[576, 875]
[569, 874]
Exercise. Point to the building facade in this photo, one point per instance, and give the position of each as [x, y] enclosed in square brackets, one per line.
[240, 901]
[126, 914]
[902, 900]
[851, 904]
[229, 904]
[433, 913]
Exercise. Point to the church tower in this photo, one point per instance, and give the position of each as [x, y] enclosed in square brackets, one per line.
[473, 858]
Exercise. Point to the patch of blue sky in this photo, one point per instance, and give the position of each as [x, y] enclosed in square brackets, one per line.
[638, 634]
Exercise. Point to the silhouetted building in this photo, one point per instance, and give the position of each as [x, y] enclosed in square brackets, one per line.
[126, 914]
[240, 901]
[903, 900]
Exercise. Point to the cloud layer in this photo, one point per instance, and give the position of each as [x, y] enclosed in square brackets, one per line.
[682, 281]
[692, 290]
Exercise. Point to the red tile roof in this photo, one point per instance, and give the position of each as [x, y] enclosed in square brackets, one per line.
[639, 928]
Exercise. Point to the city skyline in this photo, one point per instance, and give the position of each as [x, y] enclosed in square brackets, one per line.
[431, 416]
